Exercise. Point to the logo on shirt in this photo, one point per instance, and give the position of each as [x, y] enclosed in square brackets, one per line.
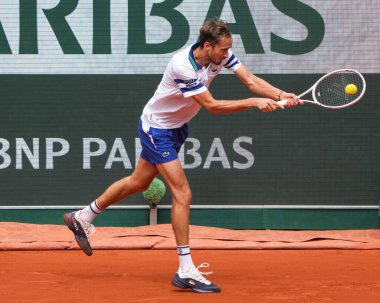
[165, 154]
[214, 70]
[190, 81]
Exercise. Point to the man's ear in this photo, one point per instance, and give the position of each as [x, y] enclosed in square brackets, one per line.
[207, 45]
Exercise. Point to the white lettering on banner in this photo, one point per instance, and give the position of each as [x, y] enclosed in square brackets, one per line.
[23, 148]
[243, 152]
[51, 154]
[3, 153]
[88, 154]
[217, 148]
[118, 147]
[192, 152]
[138, 149]
[139, 37]
[97, 150]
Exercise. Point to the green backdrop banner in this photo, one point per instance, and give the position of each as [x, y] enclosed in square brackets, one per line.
[64, 139]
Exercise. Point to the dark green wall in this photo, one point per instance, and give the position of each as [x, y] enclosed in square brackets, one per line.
[303, 156]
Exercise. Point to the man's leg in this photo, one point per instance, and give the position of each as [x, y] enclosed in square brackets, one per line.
[139, 181]
[187, 275]
[80, 222]
[176, 179]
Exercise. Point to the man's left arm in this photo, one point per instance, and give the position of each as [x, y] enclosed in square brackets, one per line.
[259, 86]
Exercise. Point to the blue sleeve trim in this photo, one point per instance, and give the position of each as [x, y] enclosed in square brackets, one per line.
[188, 89]
[233, 64]
[230, 60]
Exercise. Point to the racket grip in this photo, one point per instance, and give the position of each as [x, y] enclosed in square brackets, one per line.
[283, 102]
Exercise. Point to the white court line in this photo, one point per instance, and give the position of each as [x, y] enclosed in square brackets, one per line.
[264, 206]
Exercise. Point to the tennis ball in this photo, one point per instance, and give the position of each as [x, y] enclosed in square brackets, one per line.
[155, 192]
[351, 89]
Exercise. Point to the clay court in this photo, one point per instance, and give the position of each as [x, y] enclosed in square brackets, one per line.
[144, 276]
[41, 263]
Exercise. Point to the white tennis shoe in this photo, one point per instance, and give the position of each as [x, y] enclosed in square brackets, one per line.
[194, 279]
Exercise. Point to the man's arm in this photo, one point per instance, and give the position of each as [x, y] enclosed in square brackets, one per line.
[259, 86]
[207, 101]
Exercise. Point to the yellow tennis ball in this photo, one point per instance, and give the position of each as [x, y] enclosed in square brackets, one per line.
[351, 89]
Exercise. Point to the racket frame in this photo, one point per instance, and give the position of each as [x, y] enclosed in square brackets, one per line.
[312, 89]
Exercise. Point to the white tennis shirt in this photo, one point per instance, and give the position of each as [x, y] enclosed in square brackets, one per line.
[171, 105]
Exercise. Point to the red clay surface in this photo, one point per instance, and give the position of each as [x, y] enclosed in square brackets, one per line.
[144, 276]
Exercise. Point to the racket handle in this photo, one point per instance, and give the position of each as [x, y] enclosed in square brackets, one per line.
[283, 102]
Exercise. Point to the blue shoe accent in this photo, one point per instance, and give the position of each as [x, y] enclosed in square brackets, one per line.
[80, 235]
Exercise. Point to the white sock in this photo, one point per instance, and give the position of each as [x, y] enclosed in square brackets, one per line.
[90, 212]
[185, 260]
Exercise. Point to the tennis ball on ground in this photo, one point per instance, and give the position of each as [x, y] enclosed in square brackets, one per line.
[155, 192]
[351, 89]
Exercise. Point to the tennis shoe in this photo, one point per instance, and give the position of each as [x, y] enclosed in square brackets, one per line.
[194, 279]
[81, 229]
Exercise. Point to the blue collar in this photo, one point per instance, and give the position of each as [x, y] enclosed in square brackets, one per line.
[193, 62]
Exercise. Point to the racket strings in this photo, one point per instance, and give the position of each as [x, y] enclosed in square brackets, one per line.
[330, 91]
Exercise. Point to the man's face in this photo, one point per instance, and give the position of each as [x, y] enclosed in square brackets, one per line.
[219, 51]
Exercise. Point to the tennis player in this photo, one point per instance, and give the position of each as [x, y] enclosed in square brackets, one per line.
[163, 129]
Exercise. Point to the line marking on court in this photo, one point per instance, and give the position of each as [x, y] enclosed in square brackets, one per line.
[264, 206]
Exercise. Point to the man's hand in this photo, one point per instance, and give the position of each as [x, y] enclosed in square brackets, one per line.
[266, 105]
[291, 98]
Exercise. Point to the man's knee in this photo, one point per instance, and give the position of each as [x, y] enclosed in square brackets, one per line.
[135, 185]
[138, 185]
[183, 197]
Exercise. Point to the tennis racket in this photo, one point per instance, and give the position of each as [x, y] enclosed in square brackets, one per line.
[330, 90]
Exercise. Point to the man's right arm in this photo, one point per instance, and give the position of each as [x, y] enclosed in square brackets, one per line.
[207, 101]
